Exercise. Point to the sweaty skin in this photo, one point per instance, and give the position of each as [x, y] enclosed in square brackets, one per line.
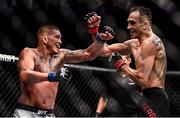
[149, 54]
[35, 63]
[150, 60]
[148, 51]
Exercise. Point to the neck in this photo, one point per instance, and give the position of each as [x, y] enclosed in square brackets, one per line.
[145, 35]
[43, 51]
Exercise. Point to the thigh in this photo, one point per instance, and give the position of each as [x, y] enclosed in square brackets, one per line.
[157, 106]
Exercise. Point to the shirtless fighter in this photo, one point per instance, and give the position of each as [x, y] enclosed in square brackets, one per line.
[40, 73]
[150, 60]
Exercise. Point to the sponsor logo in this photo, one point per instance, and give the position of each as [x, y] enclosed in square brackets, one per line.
[148, 110]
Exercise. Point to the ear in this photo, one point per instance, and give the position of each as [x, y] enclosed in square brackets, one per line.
[146, 22]
[129, 60]
[45, 39]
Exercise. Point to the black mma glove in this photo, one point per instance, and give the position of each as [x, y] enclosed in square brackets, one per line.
[60, 76]
[116, 60]
[93, 29]
[105, 28]
[109, 29]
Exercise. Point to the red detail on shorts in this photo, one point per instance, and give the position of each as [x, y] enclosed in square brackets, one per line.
[119, 63]
[149, 111]
[93, 30]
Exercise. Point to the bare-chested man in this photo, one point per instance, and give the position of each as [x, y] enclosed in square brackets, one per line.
[40, 73]
[150, 60]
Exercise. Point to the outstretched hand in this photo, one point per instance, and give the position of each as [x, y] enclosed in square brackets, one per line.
[107, 34]
[93, 21]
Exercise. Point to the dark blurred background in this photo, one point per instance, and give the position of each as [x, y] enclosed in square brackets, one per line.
[20, 20]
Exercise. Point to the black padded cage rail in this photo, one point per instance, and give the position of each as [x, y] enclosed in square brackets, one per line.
[78, 97]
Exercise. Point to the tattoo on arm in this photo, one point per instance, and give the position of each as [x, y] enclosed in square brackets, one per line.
[75, 56]
[156, 41]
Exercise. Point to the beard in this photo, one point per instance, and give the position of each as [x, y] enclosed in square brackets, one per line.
[134, 33]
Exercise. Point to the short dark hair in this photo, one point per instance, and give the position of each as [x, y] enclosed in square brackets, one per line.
[46, 28]
[143, 12]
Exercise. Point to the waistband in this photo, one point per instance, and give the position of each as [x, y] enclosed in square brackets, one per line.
[153, 89]
[34, 109]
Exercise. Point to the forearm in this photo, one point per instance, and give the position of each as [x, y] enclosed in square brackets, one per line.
[94, 50]
[135, 75]
[33, 76]
[101, 105]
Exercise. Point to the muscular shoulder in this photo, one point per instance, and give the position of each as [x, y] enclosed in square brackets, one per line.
[154, 42]
[27, 52]
[158, 46]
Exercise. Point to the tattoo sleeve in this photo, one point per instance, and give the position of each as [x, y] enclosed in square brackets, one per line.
[76, 56]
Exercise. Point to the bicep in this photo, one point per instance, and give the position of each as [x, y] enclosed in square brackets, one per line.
[118, 47]
[26, 61]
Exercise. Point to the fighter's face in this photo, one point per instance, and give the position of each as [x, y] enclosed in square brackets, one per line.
[54, 41]
[134, 24]
[126, 59]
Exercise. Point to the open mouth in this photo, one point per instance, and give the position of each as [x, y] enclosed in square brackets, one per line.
[58, 45]
[132, 31]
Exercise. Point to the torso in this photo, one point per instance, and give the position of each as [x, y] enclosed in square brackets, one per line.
[157, 74]
[40, 94]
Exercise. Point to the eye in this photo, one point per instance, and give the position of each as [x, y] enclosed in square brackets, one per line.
[131, 22]
[57, 36]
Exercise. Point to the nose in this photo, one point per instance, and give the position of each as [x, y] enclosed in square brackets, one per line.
[60, 42]
[128, 27]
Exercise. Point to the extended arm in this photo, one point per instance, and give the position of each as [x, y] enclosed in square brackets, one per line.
[93, 22]
[91, 52]
[77, 56]
[121, 48]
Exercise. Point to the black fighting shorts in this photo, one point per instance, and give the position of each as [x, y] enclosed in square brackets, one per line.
[154, 103]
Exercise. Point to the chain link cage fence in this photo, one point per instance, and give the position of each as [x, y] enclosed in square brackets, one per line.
[78, 97]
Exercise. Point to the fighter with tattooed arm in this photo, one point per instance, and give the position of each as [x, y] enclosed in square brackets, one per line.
[41, 70]
[150, 60]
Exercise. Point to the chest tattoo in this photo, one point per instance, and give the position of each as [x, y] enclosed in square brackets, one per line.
[40, 64]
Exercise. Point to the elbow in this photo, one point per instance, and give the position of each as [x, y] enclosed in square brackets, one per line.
[142, 78]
